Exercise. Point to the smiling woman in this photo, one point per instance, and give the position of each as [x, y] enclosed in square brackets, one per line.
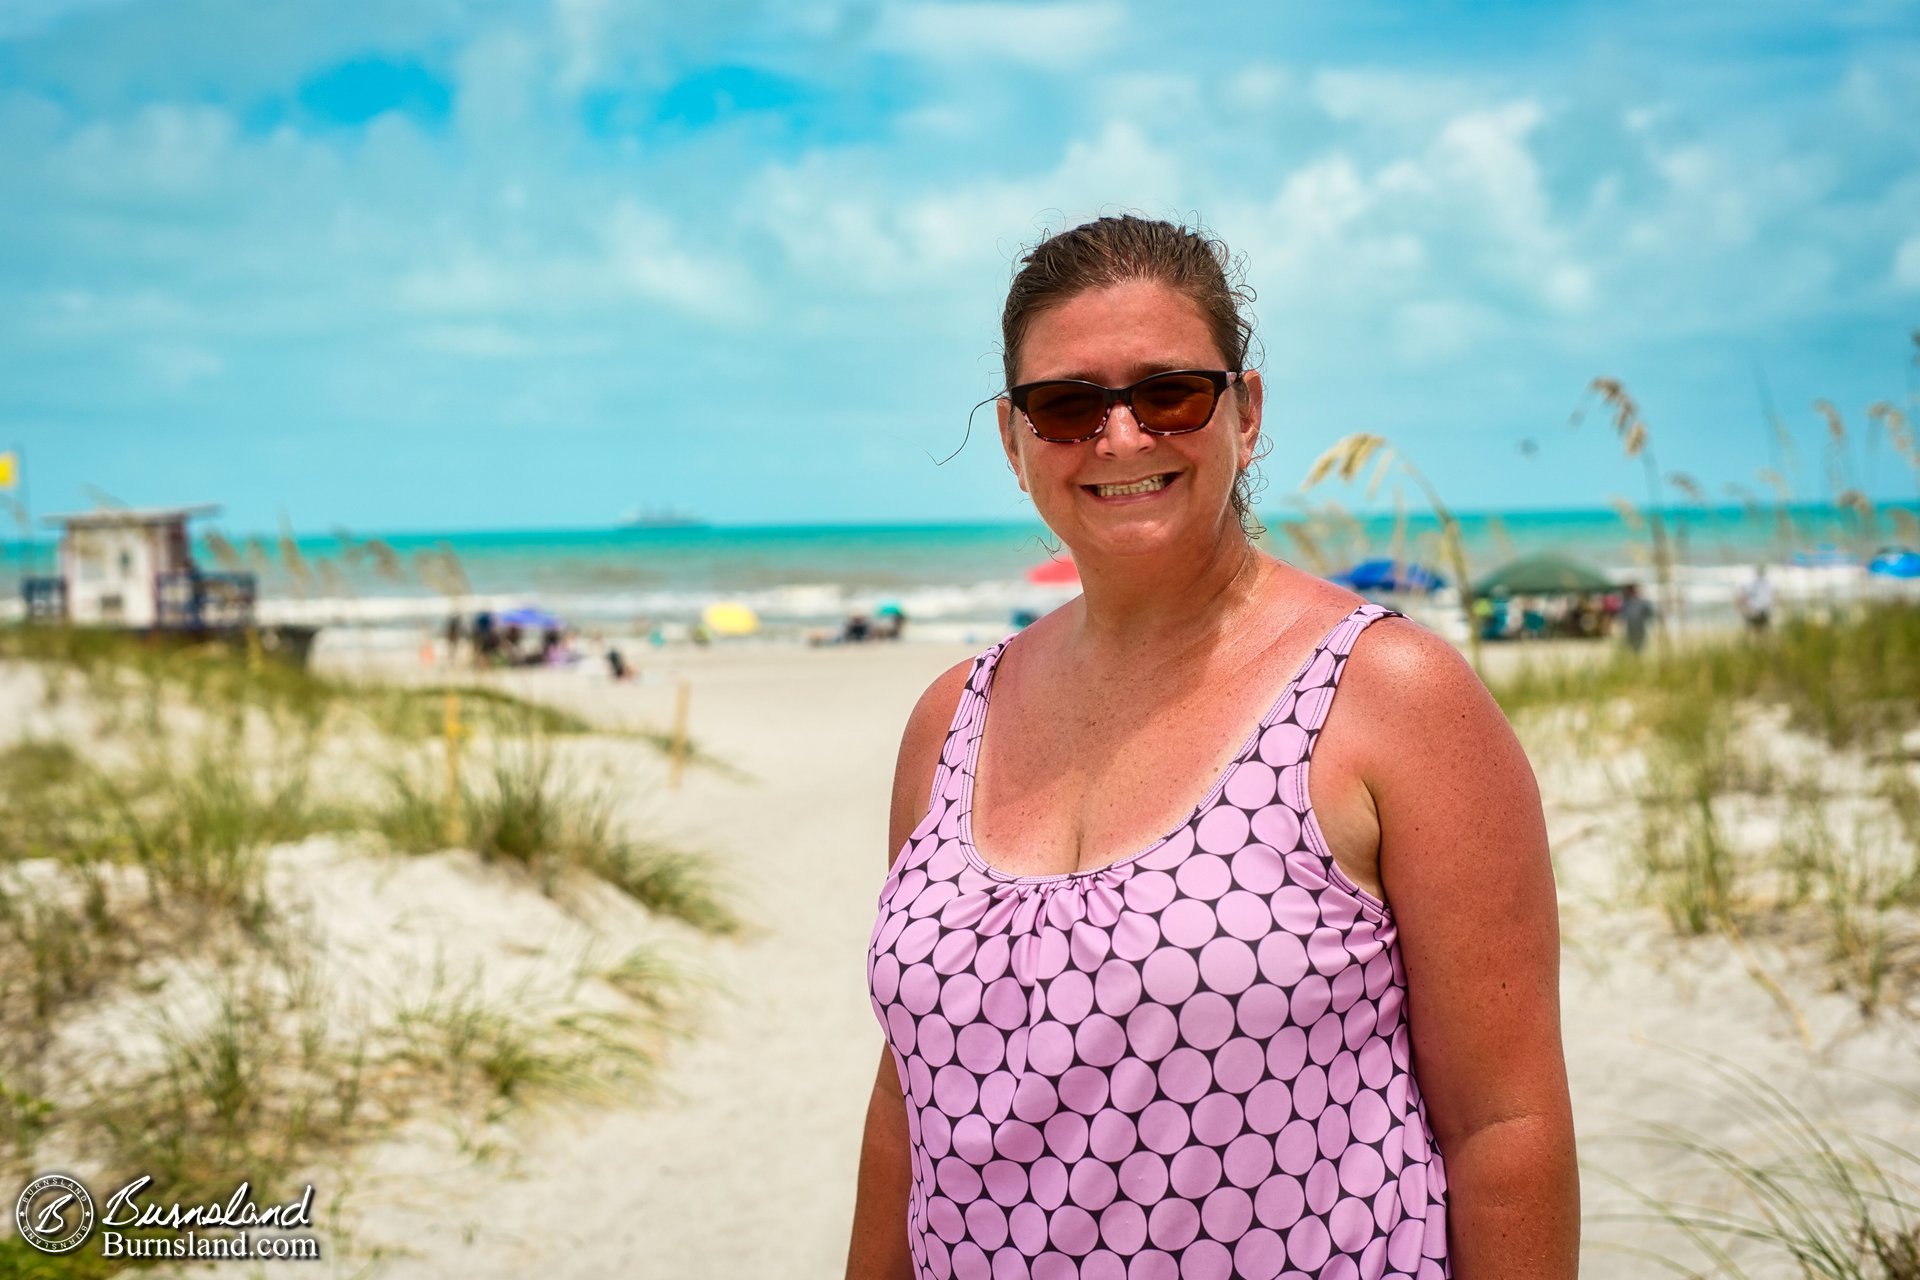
[1305, 1028]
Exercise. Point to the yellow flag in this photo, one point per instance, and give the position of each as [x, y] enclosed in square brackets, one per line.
[9, 469]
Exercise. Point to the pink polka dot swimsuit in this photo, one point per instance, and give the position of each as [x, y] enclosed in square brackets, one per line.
[1192, 1062]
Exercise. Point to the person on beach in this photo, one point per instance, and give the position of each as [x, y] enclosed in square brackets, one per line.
[1636, 612]
[1311, 1030]
[1756, 602]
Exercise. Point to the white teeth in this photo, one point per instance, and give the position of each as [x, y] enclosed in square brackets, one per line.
[1148, 485]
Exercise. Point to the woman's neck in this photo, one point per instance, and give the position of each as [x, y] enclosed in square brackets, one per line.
[1123, 610]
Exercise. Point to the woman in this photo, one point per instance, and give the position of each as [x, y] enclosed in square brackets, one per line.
[1307, 1031]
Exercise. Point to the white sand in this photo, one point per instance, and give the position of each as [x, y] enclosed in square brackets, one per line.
[743, 1165]
[746, 1166]
[750, 1170]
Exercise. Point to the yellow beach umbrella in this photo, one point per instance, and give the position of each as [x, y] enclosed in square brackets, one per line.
[730, 618]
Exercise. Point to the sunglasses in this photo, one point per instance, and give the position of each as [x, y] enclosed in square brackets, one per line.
[1065, 411]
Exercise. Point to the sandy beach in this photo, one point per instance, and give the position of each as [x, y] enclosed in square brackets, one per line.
[739, 1158]
[747, 1167]
[484, 487]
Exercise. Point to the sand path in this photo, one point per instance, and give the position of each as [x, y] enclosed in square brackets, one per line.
[745, 1165]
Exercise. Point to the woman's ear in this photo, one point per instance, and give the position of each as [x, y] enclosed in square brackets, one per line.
[1003, 413]
[1252, 409]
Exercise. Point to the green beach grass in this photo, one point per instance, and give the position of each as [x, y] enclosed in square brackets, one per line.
[138, 858]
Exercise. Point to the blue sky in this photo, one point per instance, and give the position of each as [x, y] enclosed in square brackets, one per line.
[481, 263]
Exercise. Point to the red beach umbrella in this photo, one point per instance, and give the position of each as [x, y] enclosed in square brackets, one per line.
[1053, 573]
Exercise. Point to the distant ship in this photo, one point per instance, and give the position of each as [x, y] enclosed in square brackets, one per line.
[661, 518]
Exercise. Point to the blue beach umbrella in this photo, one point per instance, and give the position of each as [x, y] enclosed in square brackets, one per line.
[1385, 575]
[1896, 562]
[528, 616]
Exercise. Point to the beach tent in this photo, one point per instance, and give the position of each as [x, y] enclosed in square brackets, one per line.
[1896, 562]
[1385, 575]
[528, 616]
[730, 618]
[1549, 573]
[1054, 573]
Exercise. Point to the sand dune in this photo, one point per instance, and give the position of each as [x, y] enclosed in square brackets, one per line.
[746, 1167]
[740, 1160]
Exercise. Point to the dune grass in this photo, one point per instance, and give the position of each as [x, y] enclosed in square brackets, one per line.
[255, 1087]
[151, 845]
[498, 1050]
[517, 805]
[1800, 1196]
[128, 677]
[418, 712]
[1851, 680]
[1842, 873]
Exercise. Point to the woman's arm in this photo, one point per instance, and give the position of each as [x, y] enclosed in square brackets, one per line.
[878, 1249]
[1464, 860]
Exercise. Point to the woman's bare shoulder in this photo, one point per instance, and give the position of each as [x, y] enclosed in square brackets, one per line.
[920, 746]
[1402, 669]
[1423, 716]
[932, 714]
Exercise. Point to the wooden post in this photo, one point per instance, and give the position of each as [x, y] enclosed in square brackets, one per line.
[456, 824]
[679, 753]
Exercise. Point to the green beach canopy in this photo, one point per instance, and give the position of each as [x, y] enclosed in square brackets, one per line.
[1547, 574]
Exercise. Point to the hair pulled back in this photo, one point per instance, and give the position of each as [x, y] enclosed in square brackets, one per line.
[1124, 248]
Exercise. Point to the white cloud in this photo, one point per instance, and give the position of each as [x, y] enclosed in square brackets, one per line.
[1042, 35]
[163, 148]
[77, 314]
[1466, 210]
[1500, 223]
[499, 75]
[485, 341]
[641, 255]
[581, 25]
[469, 284]
[500, 342]
[179, 365]
[1489, 149]
[1569, 286]
[1641, 119]
[838, 220]
[1151, 98]
[1906, 263]
[1397, 101]
[1258, 87]
[644, 251]
[1427, 331]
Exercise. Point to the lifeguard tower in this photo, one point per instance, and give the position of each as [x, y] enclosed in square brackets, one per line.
[132, 569]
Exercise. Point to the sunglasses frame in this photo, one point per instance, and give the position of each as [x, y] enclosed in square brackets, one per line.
[1220, 378]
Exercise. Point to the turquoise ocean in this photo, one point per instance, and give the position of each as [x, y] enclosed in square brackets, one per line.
[814, 574]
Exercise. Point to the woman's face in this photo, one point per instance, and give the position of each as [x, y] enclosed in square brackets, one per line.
[1116, 336]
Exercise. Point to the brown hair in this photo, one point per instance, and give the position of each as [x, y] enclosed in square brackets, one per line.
[1115, 250]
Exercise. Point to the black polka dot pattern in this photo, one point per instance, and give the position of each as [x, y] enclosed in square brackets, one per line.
[1189, 1064]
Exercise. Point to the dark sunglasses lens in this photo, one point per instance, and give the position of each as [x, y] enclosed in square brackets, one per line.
[1177, 402]
[1065, 410]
